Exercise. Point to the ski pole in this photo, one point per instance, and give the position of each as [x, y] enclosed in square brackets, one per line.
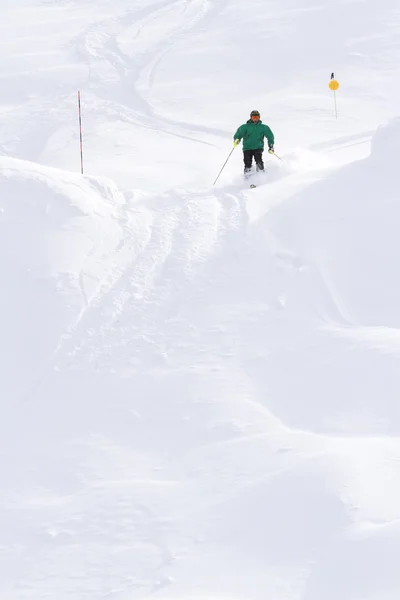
[224, 165]
[273, 154]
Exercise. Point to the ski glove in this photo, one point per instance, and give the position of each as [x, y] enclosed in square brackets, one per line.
[271, 149]
[236, 143]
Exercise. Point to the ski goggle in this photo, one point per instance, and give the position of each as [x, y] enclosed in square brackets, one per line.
[255, 117]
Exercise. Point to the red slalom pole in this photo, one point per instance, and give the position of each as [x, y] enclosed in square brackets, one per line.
[80, 129]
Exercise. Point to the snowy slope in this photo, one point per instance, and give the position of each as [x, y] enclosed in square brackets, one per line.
[198, 386]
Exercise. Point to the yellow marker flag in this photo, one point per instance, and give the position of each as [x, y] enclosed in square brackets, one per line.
[334, 86]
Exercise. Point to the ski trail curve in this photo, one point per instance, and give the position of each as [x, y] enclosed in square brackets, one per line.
[129, 48]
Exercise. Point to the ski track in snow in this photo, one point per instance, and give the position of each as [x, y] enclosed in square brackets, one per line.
[137, 65]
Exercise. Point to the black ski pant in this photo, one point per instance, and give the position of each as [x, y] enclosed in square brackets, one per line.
[248, 159]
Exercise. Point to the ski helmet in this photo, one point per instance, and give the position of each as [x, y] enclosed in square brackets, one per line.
[254, 113]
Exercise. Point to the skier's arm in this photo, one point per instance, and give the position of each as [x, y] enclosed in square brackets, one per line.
[239, 134]
[270, 136]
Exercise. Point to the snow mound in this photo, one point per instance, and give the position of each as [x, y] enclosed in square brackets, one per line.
[59, 240]
[386, 145]
[349, 232]
[339, 241]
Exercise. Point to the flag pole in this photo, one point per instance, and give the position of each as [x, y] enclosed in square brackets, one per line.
[80, 129]
[334, 86]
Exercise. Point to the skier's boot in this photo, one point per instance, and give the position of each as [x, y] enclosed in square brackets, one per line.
[260, 166]
[247, 172]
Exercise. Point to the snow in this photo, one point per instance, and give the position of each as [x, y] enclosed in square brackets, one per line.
[199, 385]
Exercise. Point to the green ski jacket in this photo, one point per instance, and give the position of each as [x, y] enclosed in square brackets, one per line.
[253, 135]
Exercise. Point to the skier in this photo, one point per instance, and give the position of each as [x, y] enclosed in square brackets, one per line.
[253, 133]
